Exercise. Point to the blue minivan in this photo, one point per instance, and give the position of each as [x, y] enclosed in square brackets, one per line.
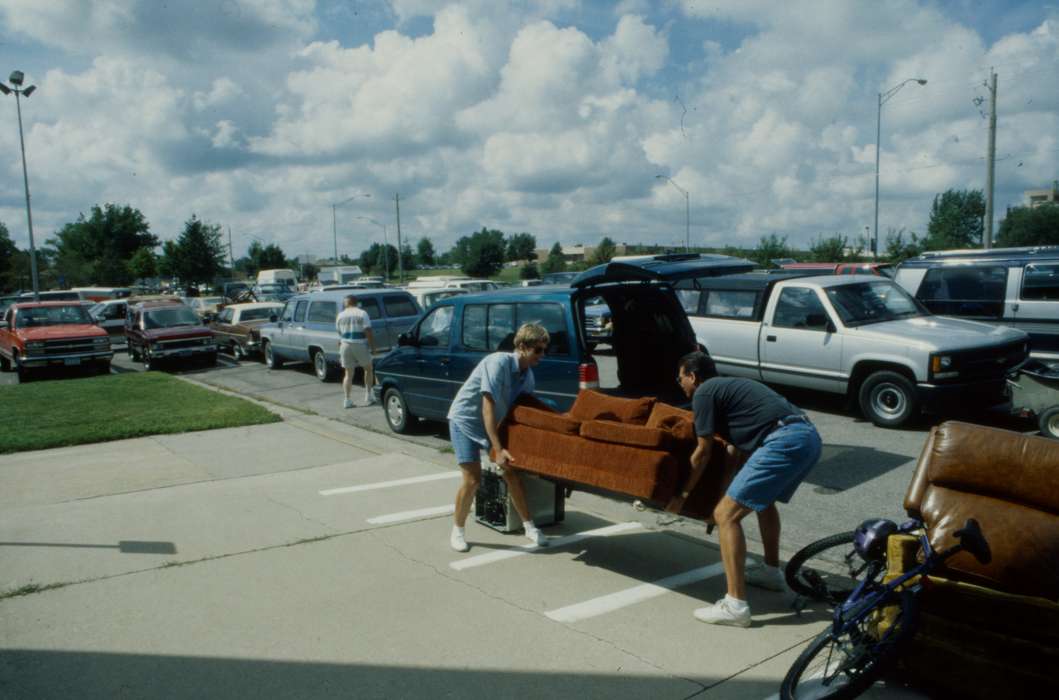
[420, 377]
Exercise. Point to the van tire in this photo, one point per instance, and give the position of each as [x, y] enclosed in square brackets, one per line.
[888, 399]
[271, 360]
[324, 371]
[396, 410]
[1048, 422]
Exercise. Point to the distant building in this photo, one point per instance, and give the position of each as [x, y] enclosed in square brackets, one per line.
[1035, 198]
[577, 252]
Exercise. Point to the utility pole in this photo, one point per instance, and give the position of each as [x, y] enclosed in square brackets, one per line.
[991, 162]
[231, 255]
[400, 258]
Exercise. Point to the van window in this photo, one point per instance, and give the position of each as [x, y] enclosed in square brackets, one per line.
[552, 317]
[965, 290]
[799, 307]
[323, 312]
[299, 311]
[288, 312]
[435, 328]
[500, 328]
[731, 303]
[689, 299]
[474, 337]
[1040, 282]
[399, 305]
[371, 305]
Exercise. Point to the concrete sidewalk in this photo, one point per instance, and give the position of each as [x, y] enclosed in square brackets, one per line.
[309, 558]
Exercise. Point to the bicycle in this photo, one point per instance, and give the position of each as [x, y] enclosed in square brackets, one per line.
[872, 620]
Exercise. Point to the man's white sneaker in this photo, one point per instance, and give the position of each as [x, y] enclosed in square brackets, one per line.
[348, 403]
[725, 612]
[457, 541]
[369, 400]
[768, 577]
[537, 537]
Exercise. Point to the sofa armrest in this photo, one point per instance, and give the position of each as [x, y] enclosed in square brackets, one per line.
[545, 420]
[626, 434]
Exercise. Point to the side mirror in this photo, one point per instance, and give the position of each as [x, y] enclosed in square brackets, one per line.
[816, 320]
[273, 318]
[429, 342]
[831, 327]
[405, 340]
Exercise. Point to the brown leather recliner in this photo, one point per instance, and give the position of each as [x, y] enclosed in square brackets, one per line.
[986, 630]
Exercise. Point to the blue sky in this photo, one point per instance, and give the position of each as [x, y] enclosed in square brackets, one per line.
[547, 116]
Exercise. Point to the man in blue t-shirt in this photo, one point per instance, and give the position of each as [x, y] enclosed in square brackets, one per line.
[783, 446]
[479, 408]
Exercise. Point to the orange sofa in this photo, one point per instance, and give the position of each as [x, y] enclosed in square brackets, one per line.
[638, 448]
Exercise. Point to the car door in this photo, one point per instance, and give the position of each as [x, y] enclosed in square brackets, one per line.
[731, 332]
[798, 345]
[371, 305]
[556, 376]
[222, 329]
[320, 331]
[430, 388]
[1035, 307]
[279, 336]
[401, 312]
[296, 340]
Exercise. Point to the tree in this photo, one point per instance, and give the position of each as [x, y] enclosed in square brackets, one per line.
[529, 271]
[378, 260]
[425, 255]
[831, 249]
[898, 249]
[555, 261]
[481, 254]
[143, 264]
[956, 220]
[521, 246]
[1030, 226]
[309, 271]
[197, 255]
[8, 258]
[603, 252]
[769, 248]
[407, 258]
[97, 249]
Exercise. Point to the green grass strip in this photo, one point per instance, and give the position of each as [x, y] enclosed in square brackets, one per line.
[65, 412]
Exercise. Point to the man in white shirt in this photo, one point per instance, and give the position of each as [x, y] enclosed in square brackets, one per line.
[355, 348]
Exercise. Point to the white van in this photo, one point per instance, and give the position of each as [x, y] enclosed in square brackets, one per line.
[286, 277]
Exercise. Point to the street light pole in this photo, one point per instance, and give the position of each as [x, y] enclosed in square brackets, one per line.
[687, 211]
[385, 246]
[16, 79]
[883, 97]
[334, 218]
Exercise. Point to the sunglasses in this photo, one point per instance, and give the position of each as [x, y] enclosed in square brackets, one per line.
[540, 349]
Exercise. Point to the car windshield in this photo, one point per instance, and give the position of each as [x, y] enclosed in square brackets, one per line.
[170, 316]
[258, 314]
[873, 302]
[206, 301]
[52, 316]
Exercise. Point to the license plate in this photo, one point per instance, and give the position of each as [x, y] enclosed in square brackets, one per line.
[72, 361]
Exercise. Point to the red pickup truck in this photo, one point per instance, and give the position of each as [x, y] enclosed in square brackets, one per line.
[45, 333]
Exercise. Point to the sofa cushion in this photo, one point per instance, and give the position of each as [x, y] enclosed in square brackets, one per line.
[626, 434]
[545, 420]
[680, 423]
[594, 405]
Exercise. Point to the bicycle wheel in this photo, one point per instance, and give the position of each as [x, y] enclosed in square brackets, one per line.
[826, 570]
[845, 664]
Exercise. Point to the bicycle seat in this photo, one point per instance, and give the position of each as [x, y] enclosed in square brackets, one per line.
[972, 540]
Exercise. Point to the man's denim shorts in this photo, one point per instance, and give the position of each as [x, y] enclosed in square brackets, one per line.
[777, 467]
[467, 450]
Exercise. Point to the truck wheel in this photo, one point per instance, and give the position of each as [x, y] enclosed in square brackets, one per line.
[271, 360]
[397, 415]
[888, 399]
[324, 371]
[1049, 423]
[133, 355]
[103, 368]
[149, 363]
[5, 364]
[237, 352]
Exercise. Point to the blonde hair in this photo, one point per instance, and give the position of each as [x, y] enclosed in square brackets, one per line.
[531, 334]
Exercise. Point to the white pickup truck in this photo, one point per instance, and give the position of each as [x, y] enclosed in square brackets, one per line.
[858, 335]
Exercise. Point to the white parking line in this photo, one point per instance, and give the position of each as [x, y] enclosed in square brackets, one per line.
[631, 596]
[412, 514]
[390, 484]
[502, 554]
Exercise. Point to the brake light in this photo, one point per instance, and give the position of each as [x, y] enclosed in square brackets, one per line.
[588, 375]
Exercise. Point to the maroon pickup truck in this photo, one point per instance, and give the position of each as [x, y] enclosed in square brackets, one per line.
[157, 331]
[47, 333]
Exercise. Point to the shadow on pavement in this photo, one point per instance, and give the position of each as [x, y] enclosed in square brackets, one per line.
[123, 546]
[27, 673]
[842, 467]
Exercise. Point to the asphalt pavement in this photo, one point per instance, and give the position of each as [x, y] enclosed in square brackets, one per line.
[309, 558]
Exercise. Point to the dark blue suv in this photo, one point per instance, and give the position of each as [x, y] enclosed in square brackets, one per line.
[651, 332]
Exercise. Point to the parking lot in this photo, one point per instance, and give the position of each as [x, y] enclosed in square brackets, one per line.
[310, 557]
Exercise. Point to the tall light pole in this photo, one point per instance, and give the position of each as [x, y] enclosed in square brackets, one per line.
[883, 98]
[687, 211]
[16, 79]
[385, 245]
[334, 219]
